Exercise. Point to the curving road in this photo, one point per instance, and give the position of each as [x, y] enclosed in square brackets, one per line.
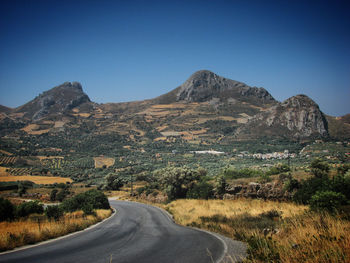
[138, 233]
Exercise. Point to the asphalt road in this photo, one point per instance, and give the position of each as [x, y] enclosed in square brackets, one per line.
[137, 233]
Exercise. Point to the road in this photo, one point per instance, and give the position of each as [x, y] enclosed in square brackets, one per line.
[137, 233]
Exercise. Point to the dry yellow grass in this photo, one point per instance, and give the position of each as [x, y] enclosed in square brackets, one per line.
[30, 231]
[188, 211]
[297, 236]
[101, 161]
[34, 179]
[34, 129]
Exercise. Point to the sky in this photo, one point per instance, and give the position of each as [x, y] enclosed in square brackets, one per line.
[135, 50]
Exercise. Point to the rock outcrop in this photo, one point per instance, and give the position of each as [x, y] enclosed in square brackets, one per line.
[297, 117]
[55, 101]
[267, 191]
[205, 85]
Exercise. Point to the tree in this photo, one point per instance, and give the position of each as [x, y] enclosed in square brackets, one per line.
[114, 182]
[53, 194]
[93, 197]
[7, 210]
[319, 168]
[327, 200]
[176, 181]
[54, 212]
[27, 208]
[201, 190]
[220, 185]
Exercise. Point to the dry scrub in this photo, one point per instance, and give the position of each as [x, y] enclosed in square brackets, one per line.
[274, 231]
[36, 229]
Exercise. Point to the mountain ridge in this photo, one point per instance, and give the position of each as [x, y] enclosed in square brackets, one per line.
[204, 108]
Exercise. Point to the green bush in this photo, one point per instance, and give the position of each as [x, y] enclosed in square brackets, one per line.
[202, 190]
[7, 210]
[309, 187]
[61, 195]
[54, 212]
[176, 181]
[280, 168]
[27, 208]
[114, 182]
[53, 195]
[327, 200]
[93, 197]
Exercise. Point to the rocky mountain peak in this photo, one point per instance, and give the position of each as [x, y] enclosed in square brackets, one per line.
[205, 85]
[299, 101]
[298, 117]
[55, 101]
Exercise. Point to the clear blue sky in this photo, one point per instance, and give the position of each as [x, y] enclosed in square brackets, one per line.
[134, 50]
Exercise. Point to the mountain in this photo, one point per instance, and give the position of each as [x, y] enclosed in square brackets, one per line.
[54, 101]
[339, 127]
[206, 109]
[4, 109]
[205, 86]
[297, 117]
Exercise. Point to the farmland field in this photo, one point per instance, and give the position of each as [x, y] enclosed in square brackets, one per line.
[35, 179]
[101, 161]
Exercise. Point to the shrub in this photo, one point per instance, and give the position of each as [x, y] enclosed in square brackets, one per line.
[7, 210]
[280, 168]
[176, 182]
[221, 185]
[114, 182]
[61, 195]
[53, 194]
[327, 200]
[27, 208]
[54, 212]
[202, 190]
[93, 197]
[309, 187]
[291, 184]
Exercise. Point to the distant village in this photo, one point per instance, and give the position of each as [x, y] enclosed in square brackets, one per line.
[267, 156]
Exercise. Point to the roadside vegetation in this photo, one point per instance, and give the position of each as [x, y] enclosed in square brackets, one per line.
[311, 225]
[29, 222]
[274, 231]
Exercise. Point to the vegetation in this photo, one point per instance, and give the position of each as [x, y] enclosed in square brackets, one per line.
[27, 223]
[274, 231]
[32, 230]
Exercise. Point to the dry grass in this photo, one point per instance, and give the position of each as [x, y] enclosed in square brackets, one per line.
[295, 236]
[30, 231]
[34, 179]
[188, 211]
[101, 161]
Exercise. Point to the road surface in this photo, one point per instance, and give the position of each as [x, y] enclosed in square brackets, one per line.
[137, 233]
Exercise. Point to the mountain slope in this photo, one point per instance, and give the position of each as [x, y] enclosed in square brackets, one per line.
[297, 117]
[204, 86]
[205, 109]
[54, 101]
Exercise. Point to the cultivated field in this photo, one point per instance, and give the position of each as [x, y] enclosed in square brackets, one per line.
[101, 161]
[34, 179]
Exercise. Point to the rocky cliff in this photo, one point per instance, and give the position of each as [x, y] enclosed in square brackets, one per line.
[55, 101]
[298, 117]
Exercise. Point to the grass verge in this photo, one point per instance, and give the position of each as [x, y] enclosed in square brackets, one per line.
[38, 228]
[274, 231]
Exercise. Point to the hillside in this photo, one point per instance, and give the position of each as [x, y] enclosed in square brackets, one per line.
[207, 112]
[206, 108]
